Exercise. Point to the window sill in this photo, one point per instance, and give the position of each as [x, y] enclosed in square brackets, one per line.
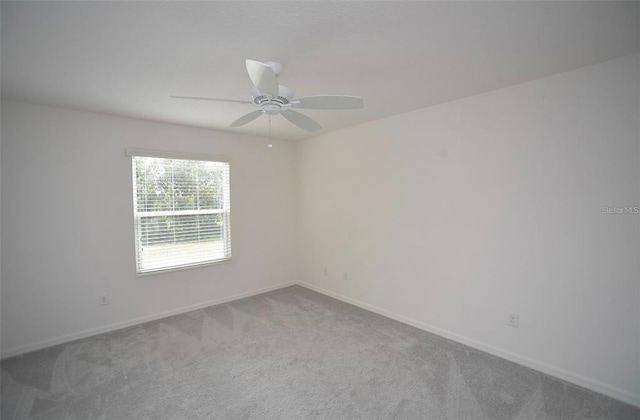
[186, 267]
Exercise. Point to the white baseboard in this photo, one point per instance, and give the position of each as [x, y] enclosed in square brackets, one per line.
[574, 378]
[557, 372]
[39, 345]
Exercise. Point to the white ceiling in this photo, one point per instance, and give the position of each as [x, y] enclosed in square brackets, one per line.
[126, 58]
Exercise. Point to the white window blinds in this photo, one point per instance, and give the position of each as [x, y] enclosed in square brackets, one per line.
[182, 212]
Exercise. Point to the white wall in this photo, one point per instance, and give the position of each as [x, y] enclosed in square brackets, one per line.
[67, 222]
[453, 215]
[448, 217]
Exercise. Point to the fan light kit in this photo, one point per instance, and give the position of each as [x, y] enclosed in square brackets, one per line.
[272, 98]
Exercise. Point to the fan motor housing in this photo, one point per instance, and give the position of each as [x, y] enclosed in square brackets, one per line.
[284, 97]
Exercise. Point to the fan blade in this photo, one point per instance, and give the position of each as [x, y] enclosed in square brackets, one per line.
[246, 119]
[263, 78]
[301, 120]
[200, 98]
[329, 102]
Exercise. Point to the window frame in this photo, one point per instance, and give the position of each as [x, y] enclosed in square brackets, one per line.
[163, 154]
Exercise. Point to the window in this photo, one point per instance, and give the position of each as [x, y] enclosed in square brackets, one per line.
[182, 210]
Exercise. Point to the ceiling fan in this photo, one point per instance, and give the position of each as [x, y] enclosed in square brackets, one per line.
[272, 98]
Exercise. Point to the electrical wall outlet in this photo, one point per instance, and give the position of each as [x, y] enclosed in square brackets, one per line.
[325, 271]
[513, 320]
[345, 276]
[103, 300]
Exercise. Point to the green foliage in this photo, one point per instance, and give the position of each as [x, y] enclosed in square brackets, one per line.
[172, 184]
[179, 185]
